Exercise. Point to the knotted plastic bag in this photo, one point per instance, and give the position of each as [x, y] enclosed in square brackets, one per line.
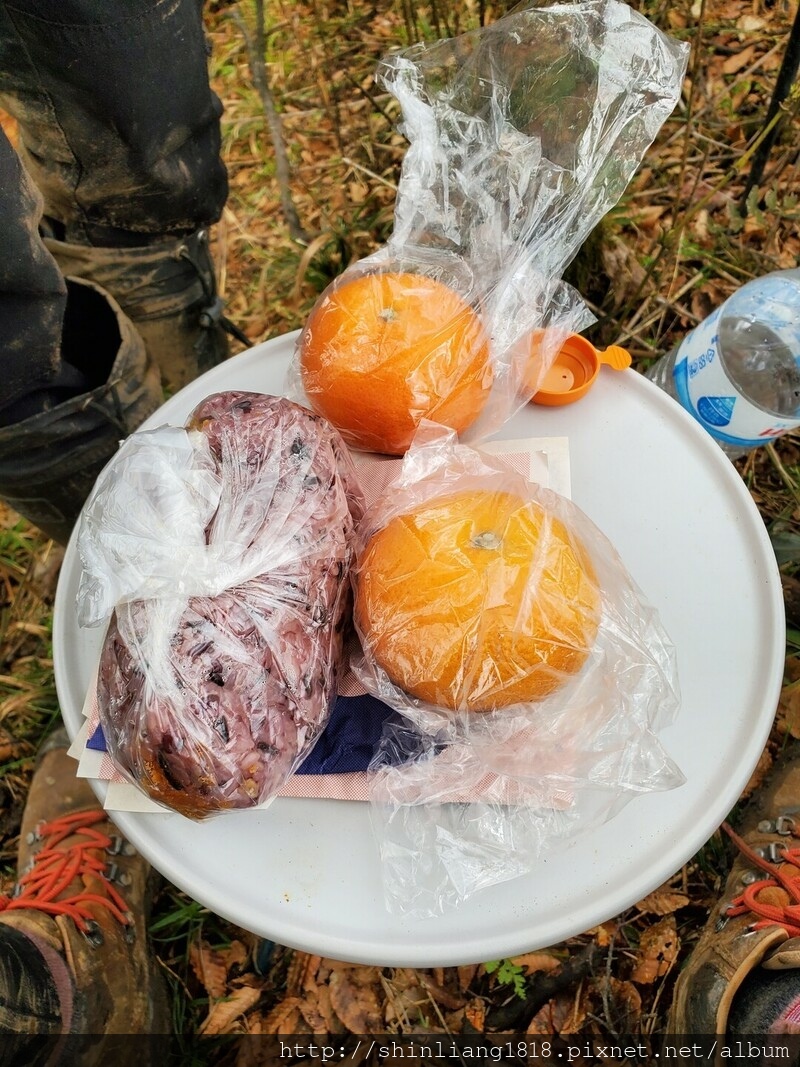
[521, 137]
[531, 674]
[218, 554]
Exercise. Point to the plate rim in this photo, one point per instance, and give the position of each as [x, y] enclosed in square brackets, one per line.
[472, 947]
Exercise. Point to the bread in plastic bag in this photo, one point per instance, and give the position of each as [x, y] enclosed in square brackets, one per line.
[222, 551]
[532, 682]
[521, 136]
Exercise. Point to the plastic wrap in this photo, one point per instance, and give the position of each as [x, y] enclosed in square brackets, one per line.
[521, 136]
[531, 674]
[221, 552]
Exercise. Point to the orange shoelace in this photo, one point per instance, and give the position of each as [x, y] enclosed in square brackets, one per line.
[768, 913]
[56, 867]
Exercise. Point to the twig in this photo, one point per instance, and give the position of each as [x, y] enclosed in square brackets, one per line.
[519, 1013]
[635, 326]
[607, 985]
[784, 475]
[783, 83]
[698, 48]
[370, 173]
[256, 47]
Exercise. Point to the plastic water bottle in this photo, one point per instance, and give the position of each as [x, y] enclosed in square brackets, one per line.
[738, 372]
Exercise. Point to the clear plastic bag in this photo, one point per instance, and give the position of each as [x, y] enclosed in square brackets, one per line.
[531, 673]
[221, 553]
[521, 137]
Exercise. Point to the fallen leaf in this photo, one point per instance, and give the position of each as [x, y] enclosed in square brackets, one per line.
[356, 1004]
[405, 997]
[739, 60]
[441, 995]
[11, 748]
[283, 1017]
[254, 1023]
[789, 708]
[210, 969]
[475, 1013]
[740, 93]
[466, 976]
[225, 1012]
[750, 23]
[564, 1014]
[789, 256]
[700, 225]
[628, 1002]
[357, 192]
[643, 179]
[623, 270]
[300, 974]
[701, 304]
[663, 901]
[235, 955]
[658, 948]
[647, 217]
[254, 1053]
[604, 933]
[531, 962]
[753, 227]
[735, 134]
[454, 1021]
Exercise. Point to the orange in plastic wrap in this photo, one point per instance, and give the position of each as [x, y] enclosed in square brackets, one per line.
[477, 600]
[381, 352]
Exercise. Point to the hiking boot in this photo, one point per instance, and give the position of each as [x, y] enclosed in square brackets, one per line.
[755, 927]
[169, 291]
[81, 904]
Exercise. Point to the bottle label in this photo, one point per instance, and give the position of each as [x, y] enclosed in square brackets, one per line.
[705, 390]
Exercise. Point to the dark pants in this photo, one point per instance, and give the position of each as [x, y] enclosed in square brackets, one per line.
[119, 147]
[119, 132]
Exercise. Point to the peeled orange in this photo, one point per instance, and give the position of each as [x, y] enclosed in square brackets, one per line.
[477, 600]
[381, 352]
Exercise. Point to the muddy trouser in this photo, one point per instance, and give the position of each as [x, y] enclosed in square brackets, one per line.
[118, 159]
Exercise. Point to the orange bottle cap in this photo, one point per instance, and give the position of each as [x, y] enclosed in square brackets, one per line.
[575, 368]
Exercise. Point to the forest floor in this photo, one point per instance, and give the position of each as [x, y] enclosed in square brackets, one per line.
[673, 248]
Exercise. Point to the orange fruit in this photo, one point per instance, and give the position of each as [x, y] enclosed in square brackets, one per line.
[381, 352]
[477, 600]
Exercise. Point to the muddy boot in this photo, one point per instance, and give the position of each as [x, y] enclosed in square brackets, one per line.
[731, 978]
[169, 292]
[49, 460]
[74, 957]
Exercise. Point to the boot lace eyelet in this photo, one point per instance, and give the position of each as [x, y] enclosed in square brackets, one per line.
[750, 876]
[114, 873]
[120, 847]
[93, 933]
[33, 836]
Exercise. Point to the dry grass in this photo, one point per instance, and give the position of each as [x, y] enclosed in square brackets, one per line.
[672, 249]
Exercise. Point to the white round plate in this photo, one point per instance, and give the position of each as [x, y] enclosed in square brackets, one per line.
[306, 873]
